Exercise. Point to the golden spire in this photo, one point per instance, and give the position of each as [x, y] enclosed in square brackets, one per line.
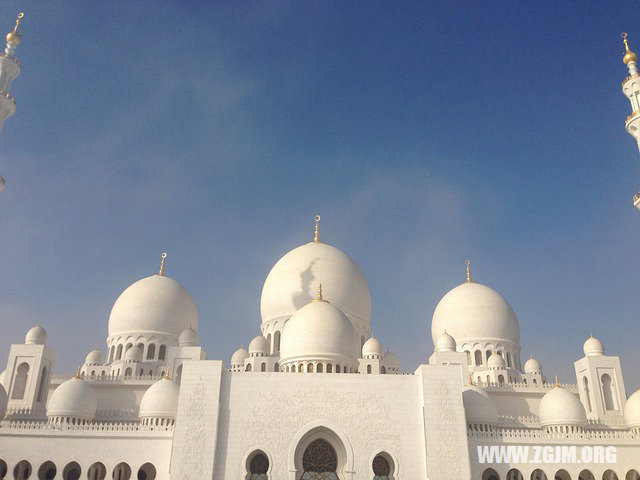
[629, 56]
[319, 297]
[14, 36]
[468, 271]
[557, 382]
[166, 375]
[316, 237]
[164, 255]
[78, 375]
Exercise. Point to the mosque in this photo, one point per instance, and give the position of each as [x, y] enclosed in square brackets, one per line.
[315, 395]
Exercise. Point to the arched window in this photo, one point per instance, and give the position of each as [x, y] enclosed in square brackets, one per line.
[276, 367]
[632, 475]
[247, 368]
[586, 475]
[562, 475]
[381, 468]
[263, 367]
[122, 471]
[609, 475]
[538, 474]
[22, 470]
[179, 374]
[500, 378]
[514, 474]
[129, 345]
[329, 368]
[97, 471]
[508, 359]
[319, 461]
[128, 372]
[269, 342]
[151, 351]
[258, 467]
[468, 357]
[112, 352]
[119, 352]
[489, 352]
[585, 382]
[383, 370]
[368, 368]
[607, 390]
[20, 382]
[47, 471]
[490, 474]
[162, 352]
[147, 472]
[71, 471]
[337, 368]
[478, 357]
[3, 468]
[276, 342]
[42, 383]
[309, 367]
[320, 368]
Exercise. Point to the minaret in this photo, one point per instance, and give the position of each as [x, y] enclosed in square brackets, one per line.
[631, 88]
[9, 70]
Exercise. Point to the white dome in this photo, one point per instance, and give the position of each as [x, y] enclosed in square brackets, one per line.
[134, 354]
[496, 361]
[156, 304]
[446, 343]
[160, 400]
[372, 347]
[478, 406]
[259, 345]
[319, 331]
[532, 366]
[631, 410]
[472, 311]
[391, 359]
[593, 347]
[293, 282]
[75, 399]
[561, 407]
[239, 356]
[189, 338]
[94, 358]
[3, 401]
[36, 336]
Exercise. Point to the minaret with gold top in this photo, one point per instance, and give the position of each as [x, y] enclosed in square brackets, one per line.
[9, 70]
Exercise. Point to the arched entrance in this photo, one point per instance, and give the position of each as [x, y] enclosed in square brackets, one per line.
[319, 461]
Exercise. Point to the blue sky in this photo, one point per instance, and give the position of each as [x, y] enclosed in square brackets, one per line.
[423, 133]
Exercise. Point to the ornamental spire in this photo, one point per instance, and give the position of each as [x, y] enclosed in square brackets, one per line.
[557, 381]
[316, 237]
[319, 296]
[468, 262]
[629, 56]
[166, 375]
[164, 255]
[13, 37]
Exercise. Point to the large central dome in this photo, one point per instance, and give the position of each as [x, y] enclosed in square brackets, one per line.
[293, 282]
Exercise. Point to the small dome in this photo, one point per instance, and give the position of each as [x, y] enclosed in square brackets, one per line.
[593, 347]
[189, 338]
[160, 400]
[561, 407]
[94, 358]
[75, 399]
[36, 336]
[478, 406]
[372, 347]
[446, 343]
[292, 282]
[532, 366]
[319, 331]
[3, 401]
[391, 360]
[259, 345]
[632, 410]
[472, 312]
[239, 356]
[134, 354]
[496, 361]
[154, 305]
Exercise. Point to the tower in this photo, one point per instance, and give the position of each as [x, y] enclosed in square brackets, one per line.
[9, 70]
[631, 89]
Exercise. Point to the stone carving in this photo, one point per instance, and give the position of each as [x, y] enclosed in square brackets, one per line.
[195, 437]
[291, 411]
[448, 449]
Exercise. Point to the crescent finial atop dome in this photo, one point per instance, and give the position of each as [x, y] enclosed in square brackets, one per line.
[629, 56]
[164, 255]
[319, 297]
[468, 271]
[316, 236]
[14, 36]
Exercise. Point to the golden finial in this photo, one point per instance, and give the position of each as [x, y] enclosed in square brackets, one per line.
[557, 381]
[14, 36]
[629, 56]
[316, 237]
[319, 297]
[78, 375]
[468, 262]
[166, 375]
[164, 255]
